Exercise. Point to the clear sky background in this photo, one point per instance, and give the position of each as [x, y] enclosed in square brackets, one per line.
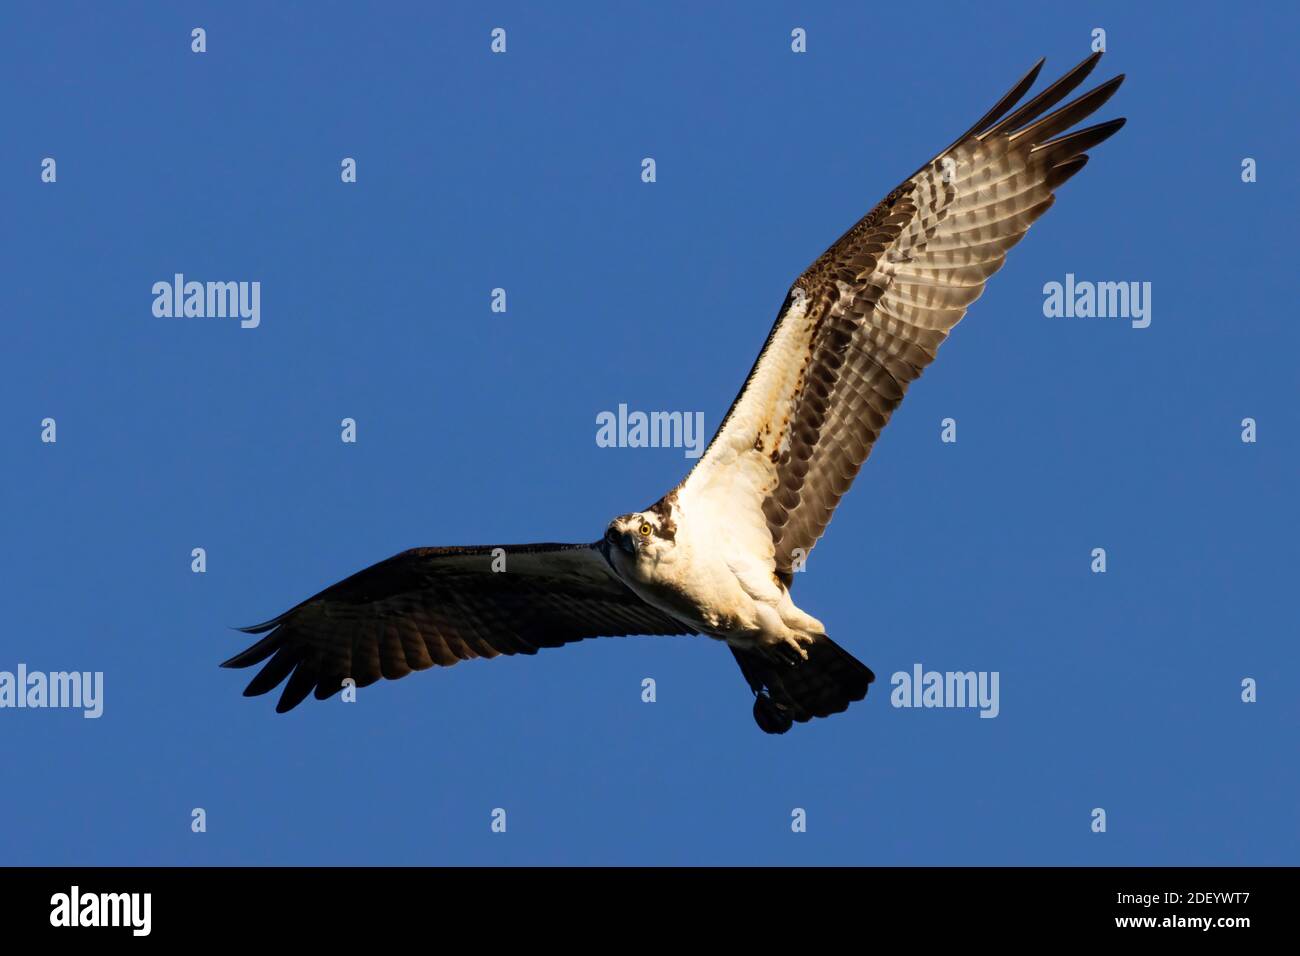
[522, 171]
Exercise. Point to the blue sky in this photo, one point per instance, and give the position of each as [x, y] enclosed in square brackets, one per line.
[1118, 690]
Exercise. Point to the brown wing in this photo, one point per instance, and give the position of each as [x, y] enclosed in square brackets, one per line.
[869, 315]
[439, 606]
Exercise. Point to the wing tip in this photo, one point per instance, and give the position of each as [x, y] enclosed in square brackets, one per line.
[287, 702]
[254, 653]
[1045, 127]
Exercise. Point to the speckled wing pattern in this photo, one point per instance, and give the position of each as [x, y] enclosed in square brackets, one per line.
[440, 606]
[869, 315]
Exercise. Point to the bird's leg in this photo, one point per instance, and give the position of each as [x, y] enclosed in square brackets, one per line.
[790, 648]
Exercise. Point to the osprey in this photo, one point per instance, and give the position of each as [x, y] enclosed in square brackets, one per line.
[715, 555]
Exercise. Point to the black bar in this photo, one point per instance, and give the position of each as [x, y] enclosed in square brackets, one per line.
[334, 905]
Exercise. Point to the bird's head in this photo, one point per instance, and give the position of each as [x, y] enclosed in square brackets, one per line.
[640, 537]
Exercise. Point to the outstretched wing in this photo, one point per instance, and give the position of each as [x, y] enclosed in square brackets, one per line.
[432, 606]
[869, 315]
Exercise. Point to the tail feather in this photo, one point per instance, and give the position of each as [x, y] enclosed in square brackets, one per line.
[826, 683]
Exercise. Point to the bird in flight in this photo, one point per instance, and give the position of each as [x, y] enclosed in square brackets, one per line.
[716, 555]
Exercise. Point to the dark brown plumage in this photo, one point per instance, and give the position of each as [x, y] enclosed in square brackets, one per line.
[826, 683]
[440, 606]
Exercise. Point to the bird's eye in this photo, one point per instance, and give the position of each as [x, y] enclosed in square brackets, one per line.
[645, 530]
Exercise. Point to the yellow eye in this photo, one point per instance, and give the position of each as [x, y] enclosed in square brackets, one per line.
[645, 530]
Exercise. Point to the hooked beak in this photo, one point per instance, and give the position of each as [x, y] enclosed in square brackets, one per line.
[621, 540]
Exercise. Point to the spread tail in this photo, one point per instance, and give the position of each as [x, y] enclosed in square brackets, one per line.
[826, 683]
